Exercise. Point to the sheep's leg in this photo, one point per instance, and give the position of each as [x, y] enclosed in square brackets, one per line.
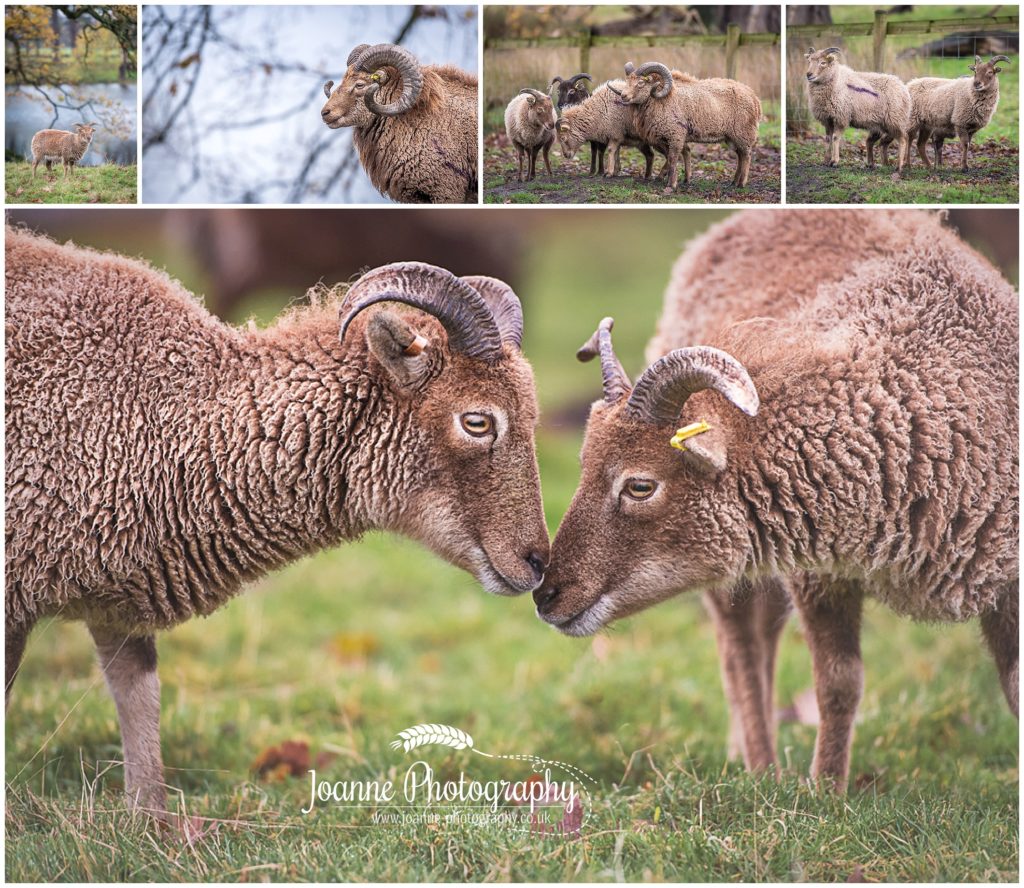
[534, 151]
[129, 666]
[831, 614]
[686, 163]
[594, 148]
[648, 154]
[748, 622]
[673, 173]
[872, 139]
[965, 142]
[15, 639]
[519, 157]
[922, 141]
[547, 158]
[1000, 628]
[611, 158]
[742, 167]
[618, 160]
[937, 143]
[831, 144]
[35, 163]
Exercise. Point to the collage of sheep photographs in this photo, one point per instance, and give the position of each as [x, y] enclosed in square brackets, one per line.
[644, 537]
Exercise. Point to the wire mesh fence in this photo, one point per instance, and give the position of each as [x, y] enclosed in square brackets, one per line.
[908, 49]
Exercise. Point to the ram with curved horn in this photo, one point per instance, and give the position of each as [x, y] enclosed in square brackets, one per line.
[571, 90]
[406, 406]
[414, 125]
[673, 110]
[953, 109]
[791, 457]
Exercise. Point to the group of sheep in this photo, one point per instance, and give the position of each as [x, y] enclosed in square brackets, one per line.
[847, 383]
[923, 109]
[652, 108]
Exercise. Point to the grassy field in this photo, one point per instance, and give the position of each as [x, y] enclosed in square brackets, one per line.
[712, 171]
[343, 650]
[992, 177]
[99, 66]
[105, 184]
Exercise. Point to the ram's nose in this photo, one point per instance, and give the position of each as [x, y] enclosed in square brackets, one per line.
[324, 113]
[538, 564]
[545, 597]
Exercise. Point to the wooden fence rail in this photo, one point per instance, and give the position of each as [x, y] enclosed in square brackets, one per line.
[881, 28]
[731, 41]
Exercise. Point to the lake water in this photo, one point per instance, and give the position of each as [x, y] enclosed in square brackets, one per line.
[25, 113]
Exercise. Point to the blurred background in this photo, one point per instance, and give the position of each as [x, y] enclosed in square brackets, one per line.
[339, 651]
[912, 41]
[232, 96]
[528, 45]
[71, 64]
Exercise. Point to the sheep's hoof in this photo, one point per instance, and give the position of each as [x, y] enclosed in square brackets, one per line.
[833, 164]
[668, 190]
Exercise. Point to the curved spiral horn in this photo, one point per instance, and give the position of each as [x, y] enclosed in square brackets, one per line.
[358, 51]
[613, 89]
[663, 72]
[614, 380]
[536, 93]
[328, 86]
[504, 305]
[999, 58]
[665, 386]
[576, 78]
[462, 311]
[832, 49]
[409, 69]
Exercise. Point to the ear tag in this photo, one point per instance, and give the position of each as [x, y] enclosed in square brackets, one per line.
[690, 431]
[416, 346]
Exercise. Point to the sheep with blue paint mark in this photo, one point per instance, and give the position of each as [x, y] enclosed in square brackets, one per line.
[840, 97]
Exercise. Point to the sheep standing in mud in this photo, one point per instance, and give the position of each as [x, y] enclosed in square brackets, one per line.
[530, 126]
[947, 109]
[840, 97]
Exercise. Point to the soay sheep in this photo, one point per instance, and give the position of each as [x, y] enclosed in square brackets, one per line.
[672, 110]
[570, 92]
[415, 126]
[50, 146]
[946, 109]
[860, 442]
[604, 122]
[158, 459]
[840, 97]
[530, 126]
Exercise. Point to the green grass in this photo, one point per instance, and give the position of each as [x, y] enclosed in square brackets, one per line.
[105, 184]
[992, 177]
[100, 66]
[344, 649]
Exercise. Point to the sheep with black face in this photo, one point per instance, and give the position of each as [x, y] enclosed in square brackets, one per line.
[415, 126]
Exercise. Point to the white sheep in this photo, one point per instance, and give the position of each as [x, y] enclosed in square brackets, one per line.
[840, 97]
[530, 125]
[945, 109]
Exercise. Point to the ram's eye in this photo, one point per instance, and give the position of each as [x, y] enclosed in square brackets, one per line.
[640, 488]
[478, 425]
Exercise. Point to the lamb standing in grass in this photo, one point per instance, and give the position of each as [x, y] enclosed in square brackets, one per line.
[159, 459]
[530, 126]
[945, 109]
[861, 441]
[50, 146]
[840, 97]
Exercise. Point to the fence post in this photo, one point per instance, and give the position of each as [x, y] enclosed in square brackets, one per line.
[585, 38]
[732, 44]
[881, 25]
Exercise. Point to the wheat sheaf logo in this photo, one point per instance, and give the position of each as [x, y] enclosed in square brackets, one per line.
[429, 735]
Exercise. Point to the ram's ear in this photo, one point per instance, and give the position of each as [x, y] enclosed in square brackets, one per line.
[706, 452]
[404, 353]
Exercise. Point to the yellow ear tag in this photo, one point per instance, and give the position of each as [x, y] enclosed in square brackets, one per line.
[696, 428]
[375, 77]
